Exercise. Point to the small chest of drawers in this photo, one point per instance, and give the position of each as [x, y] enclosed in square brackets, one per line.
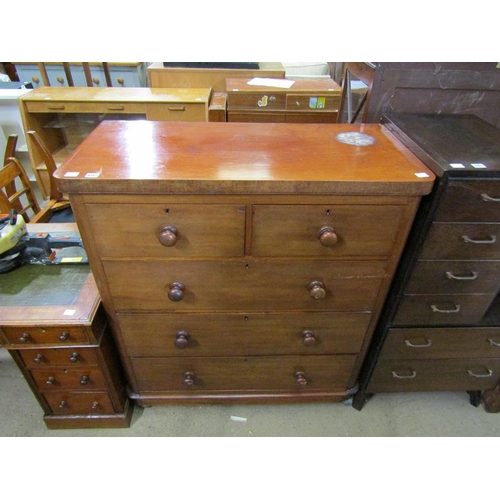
[242, 262]
[440, 329]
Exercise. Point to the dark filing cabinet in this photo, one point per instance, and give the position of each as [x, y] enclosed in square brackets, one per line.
[440, 327]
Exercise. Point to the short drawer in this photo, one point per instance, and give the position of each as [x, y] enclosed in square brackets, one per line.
[266, 373]
[29, 336]
[454, 276]
[243, 334]
[55, 378]
[79, 403]
[168, 230]
[435, 343]
[33, 358]
[470, 201]
[462, 241]
[435, 375]
[176, 112]
[85, 107]
[184, 286]
[301, 102]
[325, 230]
[258, 101]
[442, 309]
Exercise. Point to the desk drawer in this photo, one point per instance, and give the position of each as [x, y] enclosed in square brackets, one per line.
[175, 112]
[324, 230]
[86, 107]
[435, 375]
[59, 357]
[246, 286]
[243, 334]
[434, 343]
[134, 230]
[55, 378]
[27, 337]
[312, 102]
[79, 403]
[257, 101]
[289, 373]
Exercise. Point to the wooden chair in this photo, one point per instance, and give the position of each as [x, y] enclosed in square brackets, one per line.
[10, 148]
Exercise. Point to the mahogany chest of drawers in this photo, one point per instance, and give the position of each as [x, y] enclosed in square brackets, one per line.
[242, 262]
[440, 330]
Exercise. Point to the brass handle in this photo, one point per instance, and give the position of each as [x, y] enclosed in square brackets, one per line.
[452, 276]
[56, 106]
[38, 358]
[64, 336]
[74, 357]
[50, 381]
[446, 311]
[115, 107]
[412, 375]
[327, 237]
[120, 81]
[25, 337]
[84, 380]
[95, 405]
[181, 340]
[60, 79]
[492, 239]
[189, 379]
[35, 79]
[176, 108]
[168, 236]
[63, 404]
[428, 343]
[309, 338]
[316, 290]
[95, 80]
[300, 379]
[480, 375]
[492, 342]
[176, 291]
[486, 197]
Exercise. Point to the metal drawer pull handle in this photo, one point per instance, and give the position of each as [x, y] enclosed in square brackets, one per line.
[492, 342]
[427, 344]
[485, 197]
[396, 375]
[176, 108]
[452, 276]
[116, 107]
[492, 239]
[480, 375]
[437, 310]
[56, 106]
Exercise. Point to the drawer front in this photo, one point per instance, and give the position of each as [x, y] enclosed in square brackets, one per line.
[266, 373]
[311, 117]
[85, 107]
[243, 334]
[256, 116]
[177, 112]
[79, 403]
[435, 375]
[132, 230]
[462, 241]
[442, 309]
[324, 230]
[434, 343]
[301, 102]
[29, 336]
[258, 101]
[454, 276]
[261, 286]
[478, 201]
[34, 358]
[55, 378]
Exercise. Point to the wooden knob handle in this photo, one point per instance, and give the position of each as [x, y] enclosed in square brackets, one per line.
[50, 381]
[95, 405]
[327, 237]
[38, 358]
[120, 81]
[63, 404]
[300, 378]
[95, 80]
[25, 337]
[168, 236]
[60, 79]
[317, 290]
[35, 79]
[176, 291]
[84, 380]
[189, 379]
[64, 336]
[308, 338]
[181, 340]
[74, 357]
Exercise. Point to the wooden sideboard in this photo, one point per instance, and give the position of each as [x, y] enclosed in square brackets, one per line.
[54, 327]
[243, 262]
[311, 100]
[63, 117]
[440, 329]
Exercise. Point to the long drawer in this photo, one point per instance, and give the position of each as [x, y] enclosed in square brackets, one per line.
[56, 378]
[156, 334]
[261, 373]
[79, 403]
[248, 286]
[85, 107]
[61, 357]
[29, 336]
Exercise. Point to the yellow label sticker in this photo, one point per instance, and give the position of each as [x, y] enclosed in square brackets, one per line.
[66, 260]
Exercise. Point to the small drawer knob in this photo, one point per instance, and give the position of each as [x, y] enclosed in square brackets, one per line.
[181, 340]
[74, 357]
[121, 81]
[300, 379]
[63, 404]
[95, 80]
[64, 336]
[327, 237]
[38, 358]
[189, 379]
[95, 405]
[168, 236]
[84, 380]
[35, 79]
[308, 338]
[50, 381]
[316, 290]
[25, 337]
[60, 79]
[176, 291]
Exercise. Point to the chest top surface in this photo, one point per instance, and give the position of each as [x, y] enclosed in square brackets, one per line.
[253, 158]
[299, 86]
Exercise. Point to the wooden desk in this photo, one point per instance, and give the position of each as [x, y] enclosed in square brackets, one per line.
[54, 327]
[306, 101]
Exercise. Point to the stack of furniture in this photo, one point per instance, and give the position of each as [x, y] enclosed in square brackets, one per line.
[243, 262]
[440, 329]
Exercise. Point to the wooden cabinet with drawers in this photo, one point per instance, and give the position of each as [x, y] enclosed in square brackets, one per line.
[440, 330]
[243, 262]
[63, 117]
